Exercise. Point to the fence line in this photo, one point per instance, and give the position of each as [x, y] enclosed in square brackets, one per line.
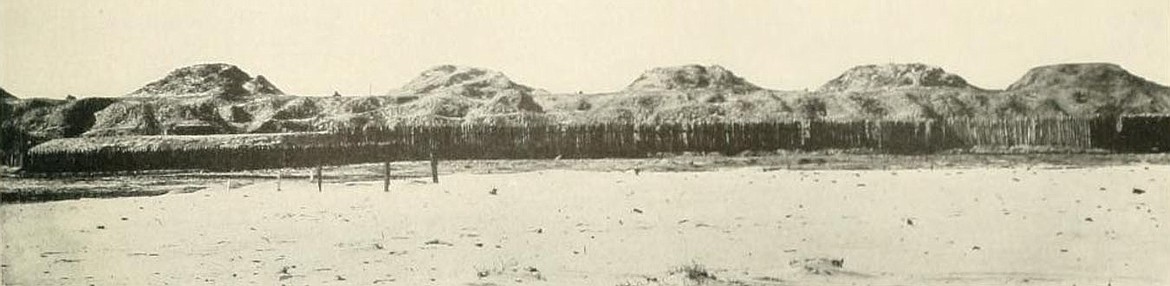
[528, 140]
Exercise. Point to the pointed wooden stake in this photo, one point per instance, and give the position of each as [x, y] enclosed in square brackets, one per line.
[280, 172]
[434, 169]
[386, 181]
[319, 186]
[279, 177]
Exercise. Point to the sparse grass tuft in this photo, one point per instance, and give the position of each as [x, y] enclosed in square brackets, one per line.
[509, 268]
[695, 272]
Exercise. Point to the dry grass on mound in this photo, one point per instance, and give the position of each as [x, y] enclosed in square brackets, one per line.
[158, 143]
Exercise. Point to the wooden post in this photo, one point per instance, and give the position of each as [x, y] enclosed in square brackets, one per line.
[280, 172]
[386, 180]
[319, 187]
[434, 168]
[434, 161]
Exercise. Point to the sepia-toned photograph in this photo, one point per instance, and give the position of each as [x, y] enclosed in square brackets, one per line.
[614, 143]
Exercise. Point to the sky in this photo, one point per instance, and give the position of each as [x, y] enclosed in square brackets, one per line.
[51, 48]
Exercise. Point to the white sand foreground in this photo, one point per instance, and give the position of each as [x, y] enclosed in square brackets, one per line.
[907, 227]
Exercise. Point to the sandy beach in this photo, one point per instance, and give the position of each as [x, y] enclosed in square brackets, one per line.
[738, 226]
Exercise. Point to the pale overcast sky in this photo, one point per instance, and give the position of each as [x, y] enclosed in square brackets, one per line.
[111, 47]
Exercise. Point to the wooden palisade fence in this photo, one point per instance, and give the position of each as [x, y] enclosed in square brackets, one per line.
[417, 142]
